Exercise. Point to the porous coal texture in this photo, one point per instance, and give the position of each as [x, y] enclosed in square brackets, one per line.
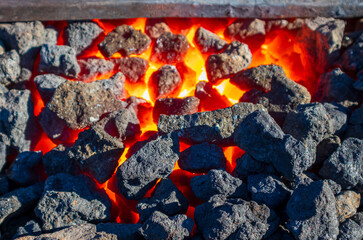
[59, 60]
[133, 68]
[160, 226]
[351, 59]
[121, 231]
[326, 148]
[94, 68]
[71, 200]
[345, 165]
[154, 160]
[351, 229]
[80, 35]
[47, 84]
[9, 68]
[126, 40]
[247, 165]
[208, 42]
[312, 212]
[164, 82]
[218, 182]
[221, 218]
[155, 27]
[261, 137]
[210, 98]
[116, 84]
[235, 57]
[347, 204]
[170, 48]
[30, 228]
[167, 199]
[202, 157]
[214, 127]
[58, 161]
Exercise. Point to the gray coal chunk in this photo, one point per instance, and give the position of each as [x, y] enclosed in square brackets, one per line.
[19, 201]
[202, 157]
[351, 59]
[326, 148]
[116, 84]
[126, 40]
[347, 204]
[94, 68]
[312, 212]
[322, 38]
[51, 35]
[170, 48]
[80, 35]
[52, 125]
[247, 165]
[221, 218]
[350, 230]
[134, 68]
[208, 42]
[335, 187]
[167, 199]
[345, 165]
[25, 169]
[30, 228]
[242, 29]
[47, 84]
[276, 24]
[260, 136]
[58, 161]
[9, 68]
[214, 126]
[164, 82]
[358, 218]
[155, 27]
[268, 189]
[72, 200]
[218, 182]
[235, 58]
[121, 231]
[4, 185]
[97, 153]
[59, 60]
[154, 160]
[160, 226]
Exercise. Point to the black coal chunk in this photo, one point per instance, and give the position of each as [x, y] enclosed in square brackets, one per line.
[164, 82]
[47, 84]
[4, 184]
[345, 165]
[208, 42]
[155, 27]
[312, 212]
[9, 68]
[126, 40]
[355, 127]
[94, 68]
[218, 182]
[268, 189]
[71, 200]
[122, 231]
[247, 165]
[116, 84]
[235, 57]
[134, 68]
[30, 228]
[214, 127]
[170, 48]
[326, 148]
[19, 201]
[154, 160]
[221, 218]
[202, 157]
[160, 226]
[59, 60]
[167, 199]
[175, 106]
[80, 35]
[351, 60]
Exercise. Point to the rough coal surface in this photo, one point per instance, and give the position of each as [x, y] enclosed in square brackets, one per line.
[134, 68]
[345, 165]
[247, 165]
[4, 185]
[94, 68]
[214, 127]
[268, 189]
[58, 161]
[219, 218]
[160, 226]
[312, 212]
[350, 230]
[347, 204]
[71, 200]
[154, 160]
[170, 48]
[202, 157]
[165, 81]
[59, 60]
[355, 127]
[30, 228]
[235, 57]
[47, 84]
[326, 148]
[167, 199]
[208, 42]
[80, 35]
[9, 68]
[116, 84]
[155, 27]
[126, 40]
[122, 231]
[218, 182]
[351, 59]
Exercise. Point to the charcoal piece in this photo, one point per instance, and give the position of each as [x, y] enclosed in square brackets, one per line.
[175, 106]
[160, 226]
[154, 160]
[214, 127]
[210, 98]
[71, 200]
[350, 230]
[9, 68]
[326, 148]
[167, 199]
[235, 57]
[170, 48]
[218, 182]
[97, 153]
[30, 228]
[202, 157]
[155, 27]
[25, 169]
[347, 204]
[261, 137]
[268, 189]
[134, 68]
[47, 84]
[345, 165]
[94, 68]
[219, 218]
[208, 42]
[4, 184]
[52, 125]
[351, 59]
[122, 231]
[247, 165]
[80, 35]
[116, 84]
[2, 47]
[59, 60]
[164, 82]
[58, 161]
[126, 40]
[19, 201]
